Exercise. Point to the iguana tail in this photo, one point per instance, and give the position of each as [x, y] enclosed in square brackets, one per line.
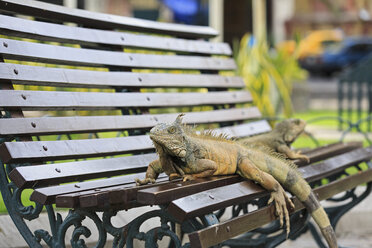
[287, 174]
[300, 188]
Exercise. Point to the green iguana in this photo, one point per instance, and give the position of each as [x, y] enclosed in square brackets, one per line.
[280, 138]
[183, 152]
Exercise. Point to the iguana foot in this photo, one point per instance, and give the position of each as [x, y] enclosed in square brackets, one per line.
[302, 157]
[188, 178]
[144, 181]
[174, 176]
[281, 200]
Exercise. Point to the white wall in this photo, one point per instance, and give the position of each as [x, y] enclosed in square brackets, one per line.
[282, 11]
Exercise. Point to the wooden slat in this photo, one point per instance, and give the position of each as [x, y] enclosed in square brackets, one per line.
[158, 195]
[37, 151]
[104, 21]
[51, 100]
[15, 152]
[247, 129]
[118, 195]
[82, 124]
[22, 50]
[19, 27]
[58, 77]
[49, 174]
[327, 151]
[211, 200]
[102, 198]
[216, 234]
[47, 195]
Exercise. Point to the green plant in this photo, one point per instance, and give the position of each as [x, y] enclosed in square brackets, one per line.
[268, 75]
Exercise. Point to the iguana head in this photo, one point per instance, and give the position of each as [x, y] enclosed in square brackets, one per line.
[290, 129]
[170, 137]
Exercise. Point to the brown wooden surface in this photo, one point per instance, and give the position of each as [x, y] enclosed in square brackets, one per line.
[211, 200]
[103, 21]
[29, 51]
[218, 233]
[18, 152]
[83, 124]
[51, 100]
[49, 174]
[98, 198]
[47, 195]
[14, 152]
[12, 26]
[327, 151]
[59, 77]
[119, 195]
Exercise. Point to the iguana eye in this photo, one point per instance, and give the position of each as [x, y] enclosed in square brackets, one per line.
[171, 129]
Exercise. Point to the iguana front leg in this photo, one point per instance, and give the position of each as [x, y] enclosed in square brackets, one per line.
[155, 168]
[201, 168]
[152, 173]
[247, 169]
[292, 154]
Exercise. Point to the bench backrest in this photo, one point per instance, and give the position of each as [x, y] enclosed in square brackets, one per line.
[85, 92]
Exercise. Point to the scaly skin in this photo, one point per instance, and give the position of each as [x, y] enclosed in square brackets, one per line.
[280, 138]
[205, 155]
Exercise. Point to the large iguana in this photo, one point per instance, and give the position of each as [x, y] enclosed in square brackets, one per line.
[184, 152]
[280, 138]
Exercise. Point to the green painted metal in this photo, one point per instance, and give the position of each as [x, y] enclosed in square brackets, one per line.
[354, 87]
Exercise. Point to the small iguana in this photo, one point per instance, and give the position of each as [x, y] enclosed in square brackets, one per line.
[203, 155]
[280, 138]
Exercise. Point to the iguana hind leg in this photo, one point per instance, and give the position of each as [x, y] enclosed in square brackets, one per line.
[247, 169]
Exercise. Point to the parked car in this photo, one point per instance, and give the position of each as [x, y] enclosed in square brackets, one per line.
[314, 43]
[339, 56]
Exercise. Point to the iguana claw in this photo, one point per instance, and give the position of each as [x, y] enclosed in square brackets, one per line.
[174, 176]
[188, 177]
[281, 200]
[144, 181]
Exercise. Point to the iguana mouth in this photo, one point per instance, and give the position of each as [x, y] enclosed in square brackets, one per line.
[169, 144]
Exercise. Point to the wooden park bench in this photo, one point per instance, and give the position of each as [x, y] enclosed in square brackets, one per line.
[75, 109]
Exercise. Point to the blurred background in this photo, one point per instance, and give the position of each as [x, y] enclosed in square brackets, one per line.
[325, 37]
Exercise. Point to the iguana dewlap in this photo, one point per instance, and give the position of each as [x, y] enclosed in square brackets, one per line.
[183, 151]
[280, 138]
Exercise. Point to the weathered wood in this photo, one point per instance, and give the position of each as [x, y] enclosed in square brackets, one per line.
[331, 150]
[58, 77]
[169, 192]
[47, 195]
[104, 21]
[51, 100]
[218, 233]
[12, 26]
[83, 124]
[211, 200]
[22, 50]
[14, 152]
[49, 174]
[103, 198]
